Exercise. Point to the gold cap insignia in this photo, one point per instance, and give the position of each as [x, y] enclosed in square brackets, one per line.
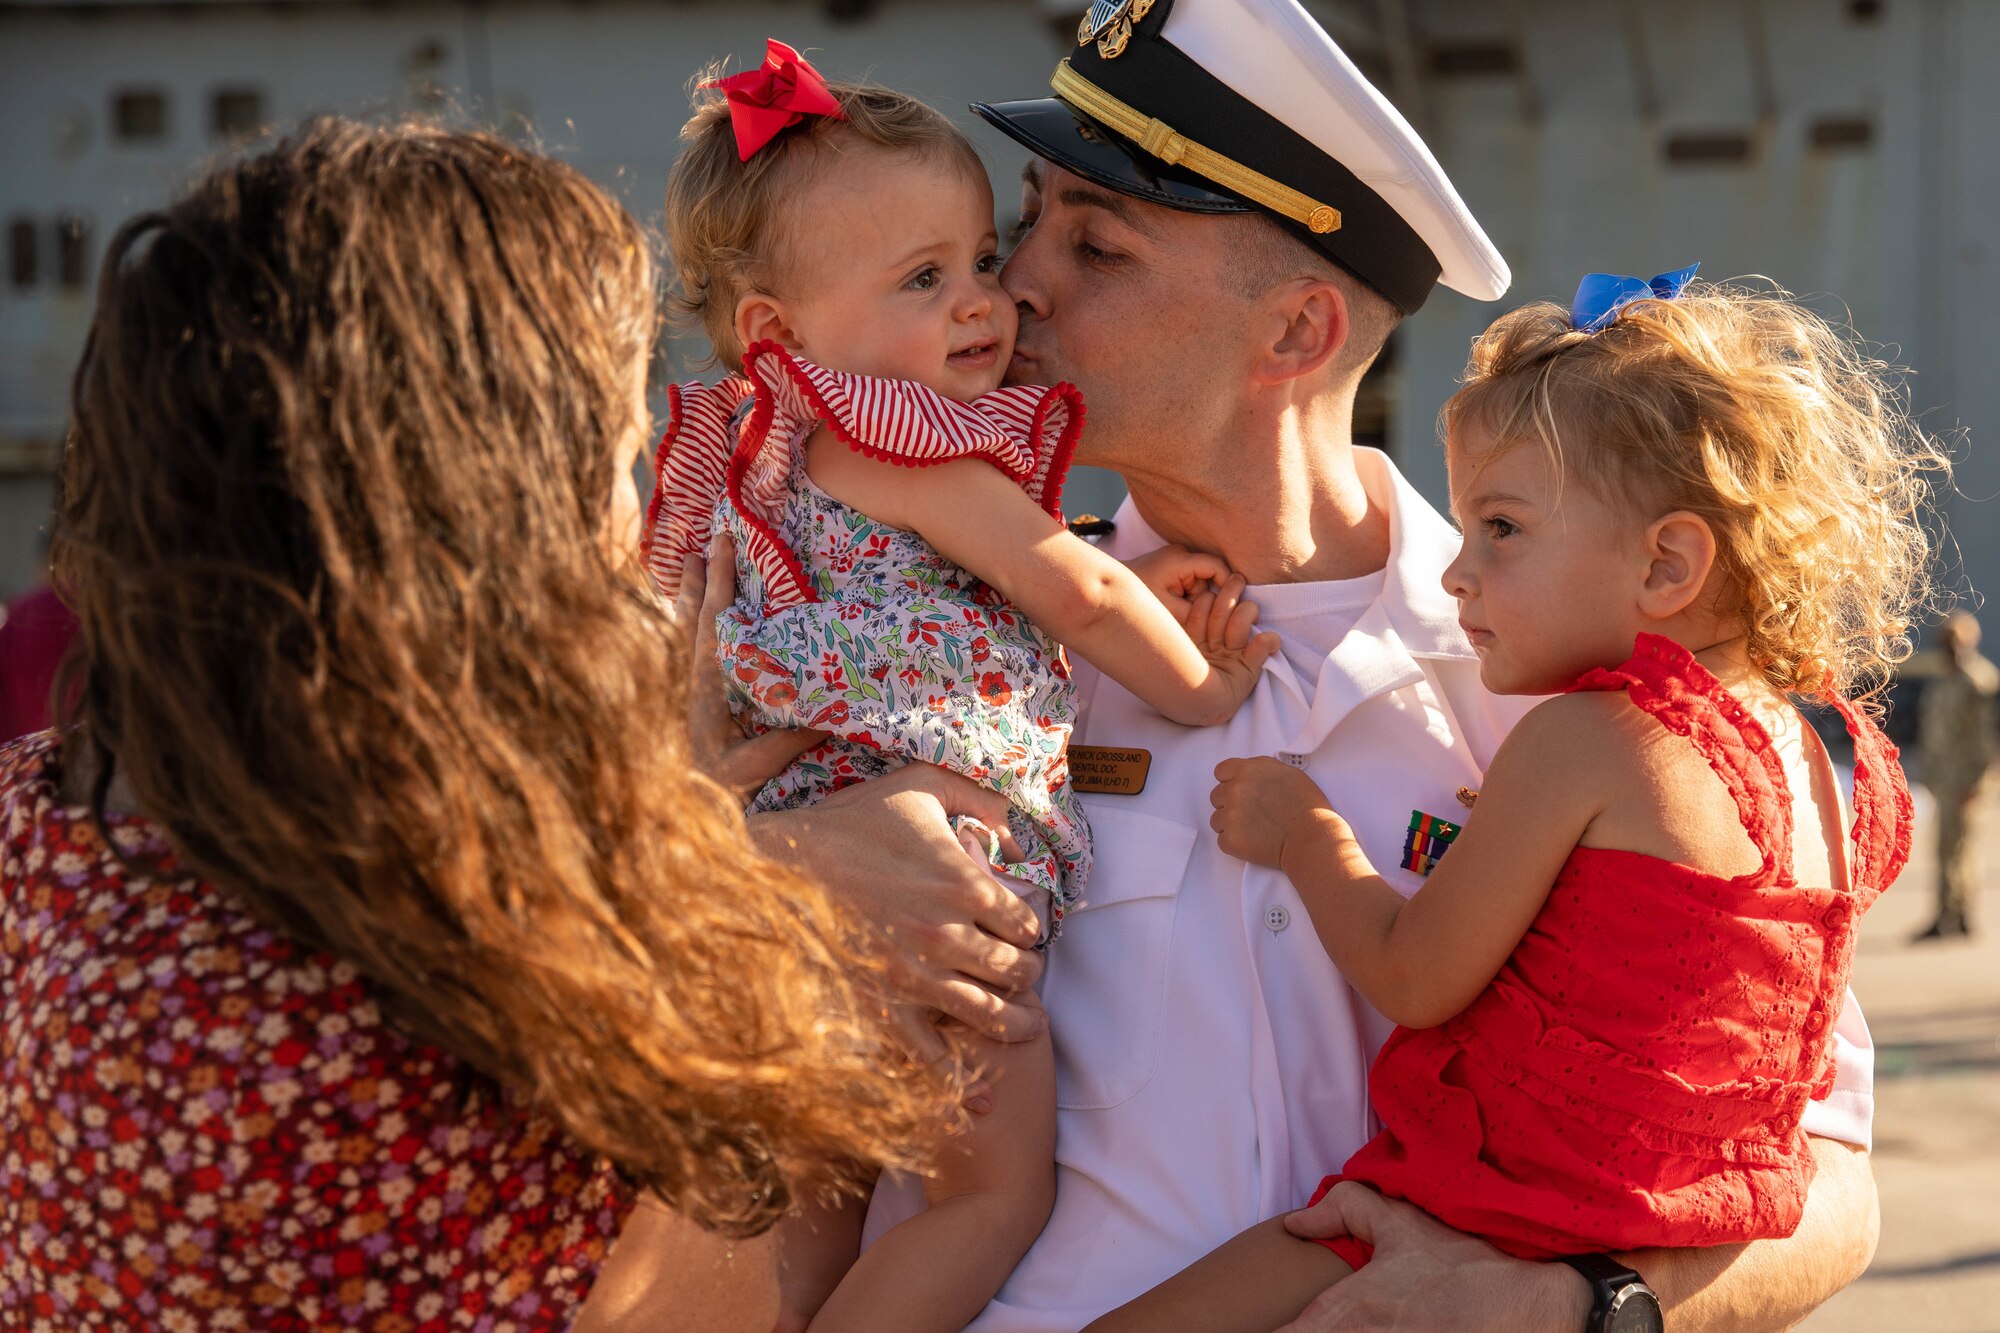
[1109, 24]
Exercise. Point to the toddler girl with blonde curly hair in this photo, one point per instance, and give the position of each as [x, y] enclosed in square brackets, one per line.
[1684, 506]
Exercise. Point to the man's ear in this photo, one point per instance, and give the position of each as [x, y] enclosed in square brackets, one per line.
[1680, 554]
[760, 315]
[1308, 322]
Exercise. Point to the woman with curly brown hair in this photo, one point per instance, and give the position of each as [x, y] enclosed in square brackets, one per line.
[374, 908]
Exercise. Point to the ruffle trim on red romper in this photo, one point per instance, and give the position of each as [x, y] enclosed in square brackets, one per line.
[1660, 670]
[1029, 432]
[1663, 680]
[1884, 822]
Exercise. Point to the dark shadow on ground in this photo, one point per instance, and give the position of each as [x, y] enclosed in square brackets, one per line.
[1913, 1059]
[1955, 1264]
[1952, 1041]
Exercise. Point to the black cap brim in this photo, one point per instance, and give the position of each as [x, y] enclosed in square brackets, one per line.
[1054, 130]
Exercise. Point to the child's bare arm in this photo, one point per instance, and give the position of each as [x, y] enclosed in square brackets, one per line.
[1256, 1282]
[977, 518]
[1423, 960]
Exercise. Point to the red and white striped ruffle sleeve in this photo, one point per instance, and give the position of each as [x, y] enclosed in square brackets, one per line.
[692, 462]
[1029, 432]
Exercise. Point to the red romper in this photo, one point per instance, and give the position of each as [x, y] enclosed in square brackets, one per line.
[1635, 1074]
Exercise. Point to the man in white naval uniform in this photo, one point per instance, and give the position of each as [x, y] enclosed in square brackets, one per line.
[1211, 1061]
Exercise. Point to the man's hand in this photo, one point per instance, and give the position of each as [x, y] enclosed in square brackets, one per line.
[958, 943]
[1426, 1276]
[742, 764]
[957, 940]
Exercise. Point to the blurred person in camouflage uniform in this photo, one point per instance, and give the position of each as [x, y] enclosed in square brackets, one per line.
[1956, 737]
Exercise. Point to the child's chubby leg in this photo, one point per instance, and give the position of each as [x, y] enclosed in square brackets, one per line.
[988, 1200]
[816, 1247]
[1032, 881]
[1257, 1282]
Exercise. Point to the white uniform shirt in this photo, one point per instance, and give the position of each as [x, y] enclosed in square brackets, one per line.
[1211, 1063]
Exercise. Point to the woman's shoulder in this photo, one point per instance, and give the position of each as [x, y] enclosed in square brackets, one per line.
[46, 839]
[152, 962]
[27, 772]
[199, 1064]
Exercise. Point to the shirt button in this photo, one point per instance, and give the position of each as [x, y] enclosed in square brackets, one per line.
[1835, 914]
[1295, 760]
[1815, 1021]
[1277, 919]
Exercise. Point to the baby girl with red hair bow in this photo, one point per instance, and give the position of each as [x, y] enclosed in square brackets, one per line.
[904, 578]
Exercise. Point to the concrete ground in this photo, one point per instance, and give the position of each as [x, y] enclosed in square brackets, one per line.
[1934, 1010]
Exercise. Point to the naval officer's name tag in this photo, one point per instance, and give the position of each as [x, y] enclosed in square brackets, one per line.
[1107, 770]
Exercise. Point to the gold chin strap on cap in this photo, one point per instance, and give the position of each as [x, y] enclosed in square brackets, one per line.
[1175, 149]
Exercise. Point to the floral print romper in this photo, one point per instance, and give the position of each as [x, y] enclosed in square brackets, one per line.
[861, 629]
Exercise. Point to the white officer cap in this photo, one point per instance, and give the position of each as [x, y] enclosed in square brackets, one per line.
[1235, 106]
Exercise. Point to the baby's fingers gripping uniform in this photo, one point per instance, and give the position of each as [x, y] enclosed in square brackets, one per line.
[861, 629]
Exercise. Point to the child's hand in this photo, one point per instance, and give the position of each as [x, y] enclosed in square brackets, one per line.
[1206, 596]
[1258, 803]
[1222, 626]
[1176, 575]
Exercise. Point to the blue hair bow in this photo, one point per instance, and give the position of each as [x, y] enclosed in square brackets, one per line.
[1600, 296]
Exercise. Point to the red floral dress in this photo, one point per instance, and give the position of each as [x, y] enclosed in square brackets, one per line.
[1636, 1073]
[206, 1126]
[862, 629]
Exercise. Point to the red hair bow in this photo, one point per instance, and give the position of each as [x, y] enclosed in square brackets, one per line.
[778, 94]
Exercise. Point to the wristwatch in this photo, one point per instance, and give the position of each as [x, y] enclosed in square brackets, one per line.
[1620, 1300]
